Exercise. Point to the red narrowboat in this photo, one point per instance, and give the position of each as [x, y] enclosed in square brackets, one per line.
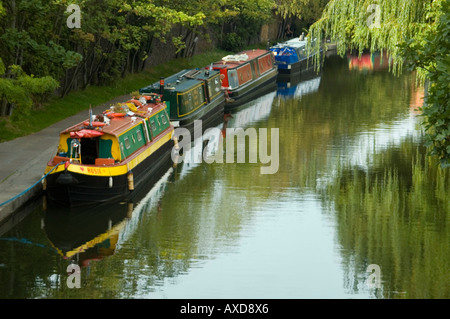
[246, 75]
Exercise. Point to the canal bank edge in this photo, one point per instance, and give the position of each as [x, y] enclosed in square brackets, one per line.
[23, 161]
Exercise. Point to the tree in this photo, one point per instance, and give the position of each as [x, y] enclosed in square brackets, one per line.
[307, 10]
[431, 56]
[243, 21]
[414, 29]
[20, 90]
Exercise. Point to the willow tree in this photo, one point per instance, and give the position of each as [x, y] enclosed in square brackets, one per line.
[409, 31]
[308, 10]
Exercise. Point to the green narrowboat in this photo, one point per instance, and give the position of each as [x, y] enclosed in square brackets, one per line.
[191, 95]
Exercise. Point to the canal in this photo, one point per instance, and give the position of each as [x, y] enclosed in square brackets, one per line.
[355, 210]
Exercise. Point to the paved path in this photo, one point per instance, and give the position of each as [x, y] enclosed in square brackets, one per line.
[23, 160]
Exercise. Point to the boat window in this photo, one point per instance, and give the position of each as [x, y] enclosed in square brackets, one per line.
[127, 143]
[254, 68]
[233, 81]
[153, 124]
[190, 101]
[139, 135]
[163, 119]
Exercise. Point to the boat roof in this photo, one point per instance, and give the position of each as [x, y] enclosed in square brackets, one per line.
[118, 125]
[183, 80]
[293, 43]
[239, 58]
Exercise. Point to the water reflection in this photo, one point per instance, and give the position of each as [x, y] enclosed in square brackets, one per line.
[368, 61]
[93, 233]
[250, 113]
[307, 84]
[90, 234]
[354, 188]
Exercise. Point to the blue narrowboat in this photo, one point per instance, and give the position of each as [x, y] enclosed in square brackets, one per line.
[292, 58]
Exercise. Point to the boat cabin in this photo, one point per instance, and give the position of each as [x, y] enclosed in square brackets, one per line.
[114, 135]
[290, 52]
[240, 69]
[187, 91]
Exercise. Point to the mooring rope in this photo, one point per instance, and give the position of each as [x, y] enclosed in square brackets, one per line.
[29, 188]
[28, 242]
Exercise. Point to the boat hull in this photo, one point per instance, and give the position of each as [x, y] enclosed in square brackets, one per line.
[210, 115]
[75, 189]
[248, 92]
[289, 72]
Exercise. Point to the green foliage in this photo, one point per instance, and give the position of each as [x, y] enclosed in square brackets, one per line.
[307, 10]
[431, 56]
[242, 24]
[22, 90]
[232, 42]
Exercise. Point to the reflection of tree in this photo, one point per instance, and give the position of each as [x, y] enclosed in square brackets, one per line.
[391, 213]
[24, 266]
[332, 116]
[396, 218]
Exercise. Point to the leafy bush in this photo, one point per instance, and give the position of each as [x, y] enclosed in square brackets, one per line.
[232, 42]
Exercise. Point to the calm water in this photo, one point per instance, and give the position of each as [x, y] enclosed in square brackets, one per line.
[353, 189]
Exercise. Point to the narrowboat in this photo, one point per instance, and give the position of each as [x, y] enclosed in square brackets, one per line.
[191, 95]
[246, 75]
[292, 58]
[109, 155]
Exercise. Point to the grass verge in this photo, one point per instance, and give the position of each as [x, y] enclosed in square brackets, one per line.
[58, 109]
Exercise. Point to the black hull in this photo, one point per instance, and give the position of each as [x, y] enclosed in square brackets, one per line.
[211, 116]
[297, 69]
[249, 92]
[89, 190]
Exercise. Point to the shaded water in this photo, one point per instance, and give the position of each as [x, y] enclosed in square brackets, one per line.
[353, 189]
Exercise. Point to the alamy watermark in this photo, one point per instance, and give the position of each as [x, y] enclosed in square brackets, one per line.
[74, 20]
[74, 276]
[213, 152]
[374, 20]
[374, 279]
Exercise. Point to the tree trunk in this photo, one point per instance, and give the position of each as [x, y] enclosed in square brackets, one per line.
[3, 106]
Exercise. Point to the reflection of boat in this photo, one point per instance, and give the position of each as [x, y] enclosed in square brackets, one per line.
[88, 234]
[368, 61]
[97, 232]
[252, 112]
[107, 159]
[292, 58]
[247, 75]
[191, 95]
[202, 148]
[302, 86]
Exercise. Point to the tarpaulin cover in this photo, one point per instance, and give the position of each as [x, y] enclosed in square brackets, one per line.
[85, 133]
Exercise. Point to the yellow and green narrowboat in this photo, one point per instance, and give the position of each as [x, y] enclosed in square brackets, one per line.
[109, 155]
[190, 95]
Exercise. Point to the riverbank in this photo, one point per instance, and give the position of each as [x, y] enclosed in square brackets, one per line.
[60, 108]
[28, 144]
